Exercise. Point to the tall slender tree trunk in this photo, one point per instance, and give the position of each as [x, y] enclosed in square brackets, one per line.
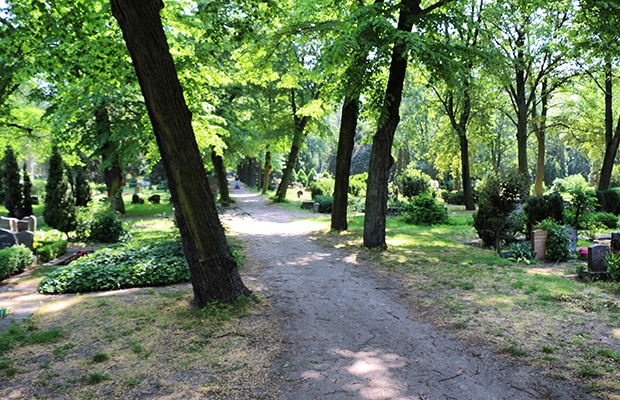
[112, 172]
[298, 140]
[346, 142]
[539, 125]
[380, 157]
[612, 140]
[220, 173]
[268, 167]
[521, 103]
[466, 173]
[213, 270]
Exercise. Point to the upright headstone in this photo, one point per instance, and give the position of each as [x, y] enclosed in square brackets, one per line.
[26, 238]
[23, 225]
[32, 221]
[8, 224]
[615, 242]
[596, 257]
[539, 242]
[572, 235]
[7, 238]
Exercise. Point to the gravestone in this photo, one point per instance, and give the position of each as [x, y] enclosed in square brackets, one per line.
[23, 225]
[8, 224]
[32, 221]
[7, 238]
[572, 235]
[26, 238]
[596, 257]
[539, 243]
[615, 242]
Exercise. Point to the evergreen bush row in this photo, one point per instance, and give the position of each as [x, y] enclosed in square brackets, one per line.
[52, 250]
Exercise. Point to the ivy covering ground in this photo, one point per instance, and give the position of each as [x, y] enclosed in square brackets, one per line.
[154, 263]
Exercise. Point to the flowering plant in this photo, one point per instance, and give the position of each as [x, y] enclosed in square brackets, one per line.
[582, 254]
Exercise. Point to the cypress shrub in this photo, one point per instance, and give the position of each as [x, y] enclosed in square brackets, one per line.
[27, 186]
[59, 211]
[13, 200]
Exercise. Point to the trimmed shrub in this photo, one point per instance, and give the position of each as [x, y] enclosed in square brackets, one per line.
[60, 209]
[453, 197]
[539, 208]
[155, 263]
[425, 210]
[357, 185]
[325, 203]
[324, 187]
[558, 240]
[106, 227]
[49, 251]
[604, 219]
[13, 260]
[13, 198]
[413, 182]
[609, 201]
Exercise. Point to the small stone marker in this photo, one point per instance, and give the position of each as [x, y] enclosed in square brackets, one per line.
[26, 238]
[596, 257]
[539, 242]
[572, 235]
[7, 238]
[615, 242]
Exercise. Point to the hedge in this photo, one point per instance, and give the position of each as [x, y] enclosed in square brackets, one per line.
[13, 260]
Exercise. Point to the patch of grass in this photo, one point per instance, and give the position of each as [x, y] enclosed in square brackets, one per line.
[514, 350]
[548, 349]
[589, 371]
[100, 357]
[131, 382]
[610, 354]
[62, 351]
[95, 378]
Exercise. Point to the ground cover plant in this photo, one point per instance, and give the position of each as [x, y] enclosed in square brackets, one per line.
[538, 313]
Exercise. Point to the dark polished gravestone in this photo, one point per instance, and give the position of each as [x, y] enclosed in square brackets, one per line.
[596, 258]
[26, 238]
[7, 238]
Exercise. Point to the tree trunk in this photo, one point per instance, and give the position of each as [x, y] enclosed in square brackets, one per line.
[380, 157]
[112, 172]
[267, 171]
[521, 103]
[298, 140]
[222, 182]
[346, 141]
[611, 139]
[213, 270]
[467, 187]
[539, 125]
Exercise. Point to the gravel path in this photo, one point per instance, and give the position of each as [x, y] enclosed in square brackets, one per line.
[348, 335]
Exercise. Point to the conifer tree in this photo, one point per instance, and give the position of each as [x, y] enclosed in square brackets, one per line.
[13, 196]
[59, 211]
[27, 191]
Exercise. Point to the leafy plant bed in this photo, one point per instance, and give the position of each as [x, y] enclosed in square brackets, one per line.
[153, 263]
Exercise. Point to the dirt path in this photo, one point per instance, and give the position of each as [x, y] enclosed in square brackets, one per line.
[348, 335]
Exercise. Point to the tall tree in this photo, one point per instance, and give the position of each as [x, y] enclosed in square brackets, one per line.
[381, 158]
[27, 192]
[13, 197]
[213, 270]
[59, 211]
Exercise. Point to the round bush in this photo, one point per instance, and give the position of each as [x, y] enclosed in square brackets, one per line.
[413, 182]
[558, 240]
[425, 210]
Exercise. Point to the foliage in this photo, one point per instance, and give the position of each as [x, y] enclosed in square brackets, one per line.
[82, 189]
[500, 194]
[453, 197]
[357, 184]
[558, 240]
[99, 224]
[425, 210]
[325, 203]
[522, 252]
[14, 259]
[582, 201]
[302, 177]
[27, 193]
[613, 265]
[413, 182]
[152, 263]
[59, 211]
[324, 187]
[13, 197]
[604, 219]
[538, 208]
[50, 251]
[608, 201]
[312, 176]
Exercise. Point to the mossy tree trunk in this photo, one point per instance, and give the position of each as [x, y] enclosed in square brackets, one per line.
[213, 270]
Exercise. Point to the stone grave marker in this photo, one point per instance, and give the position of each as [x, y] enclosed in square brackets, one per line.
[615, 242]
[539, 242]
[26, 238]
[596, 257]
[8, 224]
[23, 225]
[32, 221]
[7, 238]
[572, 235]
